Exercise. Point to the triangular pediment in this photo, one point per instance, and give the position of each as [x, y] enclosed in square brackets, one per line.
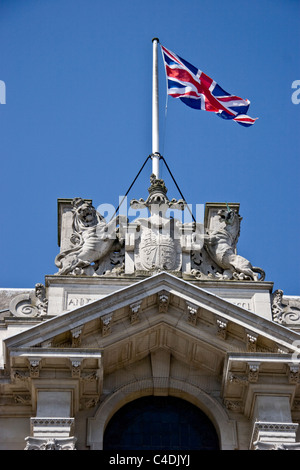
[142, 308]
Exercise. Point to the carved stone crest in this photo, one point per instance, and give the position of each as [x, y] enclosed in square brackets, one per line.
[158, 251]
[158, 238]
[154, 243]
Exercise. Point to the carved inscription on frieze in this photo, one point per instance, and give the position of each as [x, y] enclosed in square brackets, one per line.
[79, 300]
[243, 303]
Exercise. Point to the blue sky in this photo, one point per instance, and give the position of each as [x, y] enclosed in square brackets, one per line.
[77, 119]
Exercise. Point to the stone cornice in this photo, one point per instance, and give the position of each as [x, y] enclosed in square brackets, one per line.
[150, 286]
[127, 280]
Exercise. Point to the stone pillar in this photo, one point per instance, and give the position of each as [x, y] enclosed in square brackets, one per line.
[65, 221]
[52, 428]
[273, 427]
[130, 237]
[187, 246]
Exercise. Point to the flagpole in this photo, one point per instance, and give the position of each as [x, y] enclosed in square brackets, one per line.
[155, 121]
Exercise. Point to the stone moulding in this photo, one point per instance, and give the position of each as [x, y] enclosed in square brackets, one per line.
[52, 427]
[36, 443]
[274, 436]
[52, 421]
[30, 305]
[51, 433]
[173, 387]
[285, 310]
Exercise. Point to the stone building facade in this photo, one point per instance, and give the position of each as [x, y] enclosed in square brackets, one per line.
[145, 312]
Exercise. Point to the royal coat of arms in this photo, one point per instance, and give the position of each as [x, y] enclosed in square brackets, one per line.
[158, 251]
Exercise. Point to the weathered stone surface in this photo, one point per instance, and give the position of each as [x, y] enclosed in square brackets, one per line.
[6, 295]
[220, 243]
[91, 240]
[146, 245]
[286, 309]
[30, 304]
[160, 308]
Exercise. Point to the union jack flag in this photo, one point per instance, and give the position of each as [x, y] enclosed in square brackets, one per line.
[199, 91]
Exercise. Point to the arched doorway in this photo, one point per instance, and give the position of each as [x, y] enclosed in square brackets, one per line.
[160, 423]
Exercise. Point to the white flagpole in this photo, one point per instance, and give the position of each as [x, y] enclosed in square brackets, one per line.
[155, 121]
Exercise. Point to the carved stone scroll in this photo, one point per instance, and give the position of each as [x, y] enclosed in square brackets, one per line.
[285, 310]
[30, 305]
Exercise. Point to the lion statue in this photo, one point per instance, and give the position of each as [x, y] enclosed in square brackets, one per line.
[92, 237]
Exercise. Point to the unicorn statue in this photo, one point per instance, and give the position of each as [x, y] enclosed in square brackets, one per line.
[220, 244]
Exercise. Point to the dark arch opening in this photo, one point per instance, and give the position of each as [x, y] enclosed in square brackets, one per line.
[160, 423]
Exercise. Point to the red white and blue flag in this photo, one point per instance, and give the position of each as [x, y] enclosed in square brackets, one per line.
[199, 91]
